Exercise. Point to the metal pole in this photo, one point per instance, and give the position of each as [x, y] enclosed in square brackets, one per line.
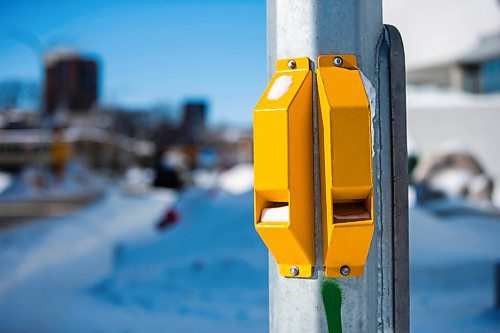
[377, 301]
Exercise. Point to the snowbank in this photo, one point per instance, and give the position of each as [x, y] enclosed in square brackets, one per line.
[208, 273]
[237, 180]
[39, 246]
[211, 268]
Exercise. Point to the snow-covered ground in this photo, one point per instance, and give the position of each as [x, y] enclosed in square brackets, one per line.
[453, 249]
[35, 192]
[107, 269]
[48, 266]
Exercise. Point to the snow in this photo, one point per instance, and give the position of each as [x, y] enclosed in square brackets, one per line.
[40, 246]
[478, 184]
[452, 258]
[452, 181]
[138, 180]
[275, 214]
[207, 274]
[38, 183]
[453, 234]
[237, 180]
[107, 270]
[281, 85]
[211, 269]
[205, 178]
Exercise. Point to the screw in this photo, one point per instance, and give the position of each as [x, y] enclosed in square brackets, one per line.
[337, 61]
[345, 270]
[292, 64]
[294, 270]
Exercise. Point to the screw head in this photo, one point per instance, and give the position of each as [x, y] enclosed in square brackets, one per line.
[338, 61]
[345, 270]
[292, 64]
[294, 270]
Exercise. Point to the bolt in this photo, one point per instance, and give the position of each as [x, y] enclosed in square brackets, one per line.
[292, 64]
[345, 270]
[294, 270]
[337, 61]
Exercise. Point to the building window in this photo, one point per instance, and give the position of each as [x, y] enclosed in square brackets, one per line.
[490, 76]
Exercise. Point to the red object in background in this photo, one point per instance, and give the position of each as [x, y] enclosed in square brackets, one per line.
[169, 219]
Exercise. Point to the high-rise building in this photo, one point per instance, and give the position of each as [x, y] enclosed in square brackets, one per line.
[193, 121]
[71, 82]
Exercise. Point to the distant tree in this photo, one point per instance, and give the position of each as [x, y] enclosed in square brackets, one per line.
[163, 125]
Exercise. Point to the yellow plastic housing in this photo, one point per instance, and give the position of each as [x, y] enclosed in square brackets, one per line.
[346, 166]
[284, 167]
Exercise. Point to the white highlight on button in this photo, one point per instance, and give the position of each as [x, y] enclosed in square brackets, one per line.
[281, 85]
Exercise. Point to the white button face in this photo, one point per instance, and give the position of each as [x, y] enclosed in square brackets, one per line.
[275, 214]
[280, 87]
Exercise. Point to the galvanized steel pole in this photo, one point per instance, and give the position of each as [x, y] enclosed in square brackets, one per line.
[377, 301]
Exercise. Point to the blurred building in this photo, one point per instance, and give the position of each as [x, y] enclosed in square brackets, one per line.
[193, 123]
[453, 107]
[18, 119]
[475, 72]
[71, 82]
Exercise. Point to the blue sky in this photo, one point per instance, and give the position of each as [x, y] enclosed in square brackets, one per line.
[151, 51]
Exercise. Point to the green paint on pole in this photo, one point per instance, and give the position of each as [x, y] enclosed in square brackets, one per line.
[332, 300]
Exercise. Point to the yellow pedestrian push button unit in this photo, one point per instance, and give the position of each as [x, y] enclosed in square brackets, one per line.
[346, 165]
[283, 164]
